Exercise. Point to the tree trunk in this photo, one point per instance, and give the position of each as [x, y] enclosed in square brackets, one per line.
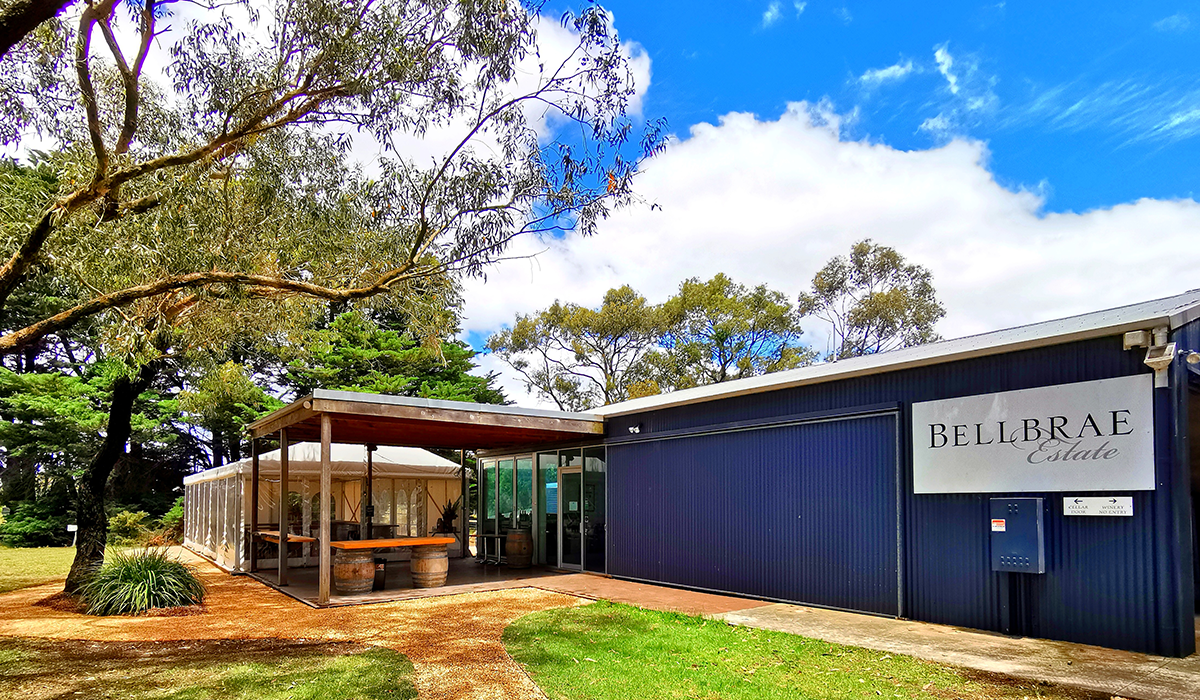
[89, 502]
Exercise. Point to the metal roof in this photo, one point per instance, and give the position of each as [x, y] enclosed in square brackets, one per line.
[1170, 311]
[380, 419]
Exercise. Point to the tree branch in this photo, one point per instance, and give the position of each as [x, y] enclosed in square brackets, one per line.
[21, 17]
[261, 285]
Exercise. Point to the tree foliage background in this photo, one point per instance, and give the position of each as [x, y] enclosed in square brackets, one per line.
[202, 232]
[717, 330]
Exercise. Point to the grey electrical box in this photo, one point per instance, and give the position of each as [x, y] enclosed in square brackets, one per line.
[1018, 535]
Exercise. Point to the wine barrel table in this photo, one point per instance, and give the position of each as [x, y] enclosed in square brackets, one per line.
[353, 571]
[429, 563]
[518, 548]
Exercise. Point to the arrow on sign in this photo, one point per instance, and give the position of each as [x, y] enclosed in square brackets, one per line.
[1079, 500]
[1113, 501]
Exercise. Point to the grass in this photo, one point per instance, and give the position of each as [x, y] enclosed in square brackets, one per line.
[24, 567]
[607, 651]
[264, 669]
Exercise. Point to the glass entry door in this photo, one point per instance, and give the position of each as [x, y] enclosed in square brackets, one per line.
[570, 515]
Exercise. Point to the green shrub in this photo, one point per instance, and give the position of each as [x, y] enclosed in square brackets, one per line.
[126, 526]
[134, 582]
[172, 523]
[35, 524]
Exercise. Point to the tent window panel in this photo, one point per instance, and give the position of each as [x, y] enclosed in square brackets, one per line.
[351, 500]
[402, 513]
[414, 513]
[381, 496]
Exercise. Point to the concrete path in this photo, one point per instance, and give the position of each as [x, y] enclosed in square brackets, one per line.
[1120, 673]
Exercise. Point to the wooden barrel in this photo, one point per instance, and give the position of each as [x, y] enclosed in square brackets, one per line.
[429, 565]
[353, 571]
[518, 547]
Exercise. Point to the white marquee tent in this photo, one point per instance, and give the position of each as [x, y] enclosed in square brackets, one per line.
[409, 487]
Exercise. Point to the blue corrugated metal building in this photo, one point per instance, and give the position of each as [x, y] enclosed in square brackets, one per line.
[799, 486]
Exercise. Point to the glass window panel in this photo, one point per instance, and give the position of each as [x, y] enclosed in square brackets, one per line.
[489, 496]
[525, 492]
[594, 473]
[570, 458]
[548, 508]
[505, 490]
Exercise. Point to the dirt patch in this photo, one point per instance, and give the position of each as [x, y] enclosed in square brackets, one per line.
[454, 642]
[61, 602]
[1032, 688]
[65, 602]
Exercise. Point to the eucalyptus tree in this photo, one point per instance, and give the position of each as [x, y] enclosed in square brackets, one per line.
[874, 301]
[581, 358]
[225, 204]
[721, 330]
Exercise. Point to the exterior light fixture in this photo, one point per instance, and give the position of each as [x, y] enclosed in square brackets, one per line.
[635, 429]
[1158, 358]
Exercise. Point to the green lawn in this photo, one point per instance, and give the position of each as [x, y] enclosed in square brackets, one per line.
[260, 669]
[23, 567]
[606, 651]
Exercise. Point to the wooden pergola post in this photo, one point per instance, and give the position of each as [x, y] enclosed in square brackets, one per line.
[464, 505]
[285, 507]
[326, 515]
[253, 504]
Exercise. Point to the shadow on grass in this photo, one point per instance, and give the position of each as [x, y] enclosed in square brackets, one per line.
[40, 669]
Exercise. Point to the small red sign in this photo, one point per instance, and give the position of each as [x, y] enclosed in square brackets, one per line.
[997, 524]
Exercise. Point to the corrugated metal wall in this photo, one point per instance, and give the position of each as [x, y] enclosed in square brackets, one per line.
[1115, 582]
[803, 513]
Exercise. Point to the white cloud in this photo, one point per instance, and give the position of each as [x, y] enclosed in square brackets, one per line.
[799, 7]
[945, 62]
[772, 201]
[1178, 22]
[877, 76]
[772, 14]
[939, 126]
[843, 13]
[1133, 108]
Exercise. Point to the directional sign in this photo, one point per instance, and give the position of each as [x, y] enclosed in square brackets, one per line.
[72, 528]
[1098, 505]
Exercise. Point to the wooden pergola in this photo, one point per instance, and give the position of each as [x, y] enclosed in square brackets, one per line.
[375, 419]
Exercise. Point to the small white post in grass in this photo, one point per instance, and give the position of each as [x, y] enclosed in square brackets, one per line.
[74, 537]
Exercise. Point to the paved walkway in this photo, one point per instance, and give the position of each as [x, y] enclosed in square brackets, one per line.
[1120, 673]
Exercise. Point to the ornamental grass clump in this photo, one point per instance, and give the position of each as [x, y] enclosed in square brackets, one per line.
[134, 582]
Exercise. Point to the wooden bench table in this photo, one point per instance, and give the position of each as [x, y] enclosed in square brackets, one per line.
[273, 536]
[354, 561]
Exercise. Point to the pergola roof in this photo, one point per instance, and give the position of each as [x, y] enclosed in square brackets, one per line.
[400, 420]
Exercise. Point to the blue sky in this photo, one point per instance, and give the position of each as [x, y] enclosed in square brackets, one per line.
[1091, 104]
[1038, 158]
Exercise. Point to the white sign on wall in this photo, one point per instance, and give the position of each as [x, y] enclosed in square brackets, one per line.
[1088, 436]
[1120, 506]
